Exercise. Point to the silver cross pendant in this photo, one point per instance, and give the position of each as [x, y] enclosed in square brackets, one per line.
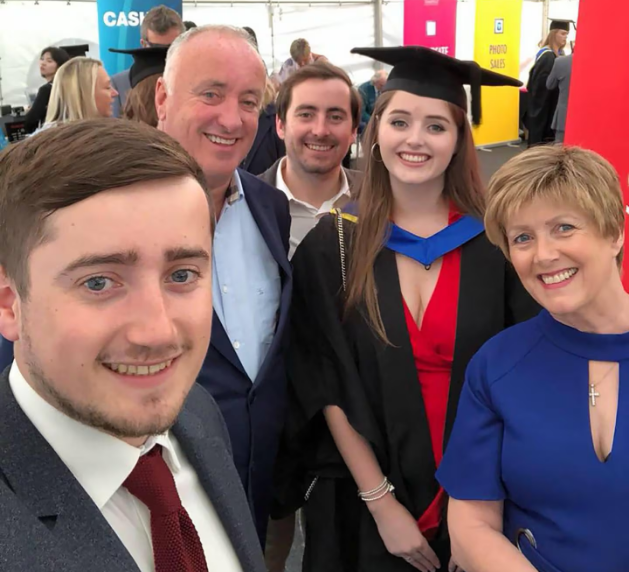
[593, 395]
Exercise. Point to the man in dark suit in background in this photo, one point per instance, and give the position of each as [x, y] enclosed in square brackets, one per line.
[112, 458]
[369, 93]
[211, 106]
[160, 27]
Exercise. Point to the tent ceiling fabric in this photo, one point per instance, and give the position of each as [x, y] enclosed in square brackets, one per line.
[325, 24]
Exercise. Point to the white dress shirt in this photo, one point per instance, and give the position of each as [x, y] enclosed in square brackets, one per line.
[101, 463]
[304, 216]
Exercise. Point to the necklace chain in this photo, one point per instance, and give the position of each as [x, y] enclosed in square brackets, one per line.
[593, 394]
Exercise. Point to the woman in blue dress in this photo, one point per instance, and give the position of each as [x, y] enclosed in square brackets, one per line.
[538, 463]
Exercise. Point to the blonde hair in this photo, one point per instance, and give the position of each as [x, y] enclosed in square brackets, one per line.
[569, 176]
[73, 91]
[270, 94]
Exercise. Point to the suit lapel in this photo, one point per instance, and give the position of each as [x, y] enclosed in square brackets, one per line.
[222, 343]
[71, 526]
[210, 458]
[262, 212]
[264, 126]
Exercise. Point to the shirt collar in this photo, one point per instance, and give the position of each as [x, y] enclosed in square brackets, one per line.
[235, 191]
[99, 462]
[280, 184]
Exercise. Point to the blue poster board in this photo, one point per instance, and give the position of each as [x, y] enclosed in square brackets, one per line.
[119, 24]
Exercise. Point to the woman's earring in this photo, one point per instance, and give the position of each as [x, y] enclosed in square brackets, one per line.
[373, 154]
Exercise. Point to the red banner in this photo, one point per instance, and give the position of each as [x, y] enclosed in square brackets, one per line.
[431, 23]
[598, 117]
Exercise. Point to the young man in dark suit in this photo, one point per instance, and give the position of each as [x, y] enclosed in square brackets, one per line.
[211, 106]
[112, 458]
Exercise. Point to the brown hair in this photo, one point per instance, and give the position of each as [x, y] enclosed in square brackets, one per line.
[321, 70]
[140, 104]
[299, 49]
[70, 163]
[161, 19]
[570, 176]
[463, 186]
[551, 41]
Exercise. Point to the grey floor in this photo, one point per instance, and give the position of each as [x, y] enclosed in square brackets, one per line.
[490, 161]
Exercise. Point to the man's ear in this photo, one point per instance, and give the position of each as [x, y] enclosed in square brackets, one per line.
[161, 95]
[279, 126]
[9, 314]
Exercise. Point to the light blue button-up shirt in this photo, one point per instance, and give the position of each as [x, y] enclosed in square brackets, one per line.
[246, 281]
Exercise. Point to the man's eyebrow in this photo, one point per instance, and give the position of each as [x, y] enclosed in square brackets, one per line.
[128, 258]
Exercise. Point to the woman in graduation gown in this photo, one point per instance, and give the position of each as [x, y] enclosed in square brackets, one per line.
[376, 366]
[542, 102]
[539, 455]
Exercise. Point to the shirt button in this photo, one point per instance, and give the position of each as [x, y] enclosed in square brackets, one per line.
[260, 291]
[236, 344]
[225, 289]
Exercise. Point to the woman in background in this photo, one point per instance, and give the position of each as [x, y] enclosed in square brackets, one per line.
[82, 90]
[50, 61]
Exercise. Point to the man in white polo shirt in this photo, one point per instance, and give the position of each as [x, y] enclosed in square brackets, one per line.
[318, 111]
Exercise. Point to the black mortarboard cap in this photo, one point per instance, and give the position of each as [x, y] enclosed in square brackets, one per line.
[146, 62]
[77, 51]
[561, 24]
[428, 73]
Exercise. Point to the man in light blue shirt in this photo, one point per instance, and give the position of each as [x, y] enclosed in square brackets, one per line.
[211, 105]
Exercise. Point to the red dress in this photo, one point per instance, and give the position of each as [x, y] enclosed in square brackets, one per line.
[433, 350]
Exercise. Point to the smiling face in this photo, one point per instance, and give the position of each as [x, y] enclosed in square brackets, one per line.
[119, 311]
[318, 128]
[210, 105]
[417, 138]
[561, 258]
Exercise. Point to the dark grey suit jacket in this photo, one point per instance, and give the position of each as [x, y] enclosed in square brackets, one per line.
[354, 178]
[560, 77]
[48, 523]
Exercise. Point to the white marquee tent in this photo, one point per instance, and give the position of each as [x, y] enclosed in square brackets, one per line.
[332, 28]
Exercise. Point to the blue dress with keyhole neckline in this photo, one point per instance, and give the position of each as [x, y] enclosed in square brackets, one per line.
[522, 435]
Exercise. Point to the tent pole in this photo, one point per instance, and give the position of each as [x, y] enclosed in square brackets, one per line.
[377, 21]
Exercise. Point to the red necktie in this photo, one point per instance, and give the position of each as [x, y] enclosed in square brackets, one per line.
[176, 544]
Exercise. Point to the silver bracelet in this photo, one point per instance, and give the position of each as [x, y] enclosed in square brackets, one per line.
[379, 488]
[389, 489]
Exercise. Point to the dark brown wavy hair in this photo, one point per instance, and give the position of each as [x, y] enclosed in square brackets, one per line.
[463, 187]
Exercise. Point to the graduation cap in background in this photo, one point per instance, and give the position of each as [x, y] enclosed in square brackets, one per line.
[425, 72]
[79, 50]
[562, 24]
[146, 62]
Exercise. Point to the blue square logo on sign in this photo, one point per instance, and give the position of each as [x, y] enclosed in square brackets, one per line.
[499, 26]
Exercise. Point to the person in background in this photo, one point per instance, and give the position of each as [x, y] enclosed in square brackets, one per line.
[113, 458]
[389, 306]
[300, 56]
[212, 106]
[318, 115]
[543, 413]
[560, 78]
[160, 27]
[369, 92]
[267, 147]
[148, 67]
[542, 101]
[82, 90]
[50, 61]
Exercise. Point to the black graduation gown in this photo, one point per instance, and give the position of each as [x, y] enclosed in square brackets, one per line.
[542, 101]
[336, 361]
